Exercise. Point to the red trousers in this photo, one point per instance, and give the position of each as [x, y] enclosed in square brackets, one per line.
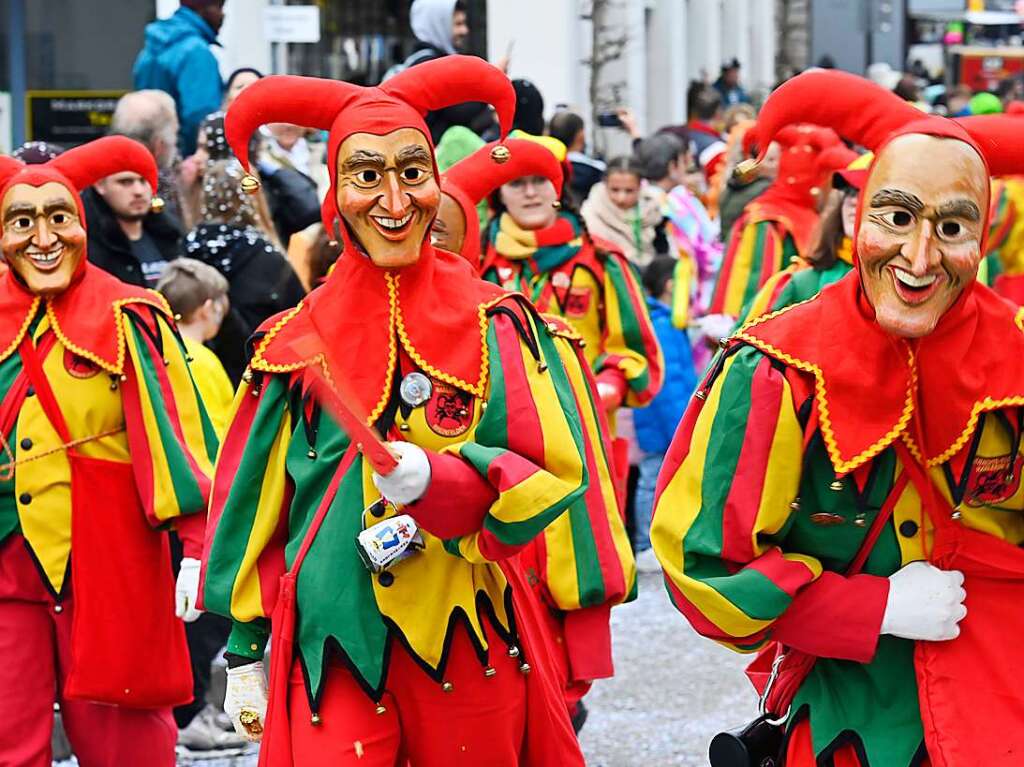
[800, 752]
[480, 722]
[35, 650]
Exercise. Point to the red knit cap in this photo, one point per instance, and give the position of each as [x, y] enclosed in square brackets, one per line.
[474, 178]
[343, 108]
[82, 166]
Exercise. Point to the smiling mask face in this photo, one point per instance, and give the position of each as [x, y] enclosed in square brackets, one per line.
[43, 238]
[387, 194]
[919, 241]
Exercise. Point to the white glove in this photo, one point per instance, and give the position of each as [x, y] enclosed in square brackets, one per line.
[716, 326]
[245, 700]
[186, 590]
[409, 481]
[609, 395]
[925, 603]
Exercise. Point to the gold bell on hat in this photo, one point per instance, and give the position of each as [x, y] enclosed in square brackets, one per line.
[250, 184]
[157, 204]
[501, 154]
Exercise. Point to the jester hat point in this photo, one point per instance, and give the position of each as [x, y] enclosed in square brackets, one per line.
[81, 167]
[344, 108]
[868, 115]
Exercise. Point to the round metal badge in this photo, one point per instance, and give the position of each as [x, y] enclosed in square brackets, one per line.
[415, 389]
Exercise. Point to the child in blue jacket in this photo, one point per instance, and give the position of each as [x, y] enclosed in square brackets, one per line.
[656, 423]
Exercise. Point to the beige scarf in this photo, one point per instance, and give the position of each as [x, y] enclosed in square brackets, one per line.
[631, 230]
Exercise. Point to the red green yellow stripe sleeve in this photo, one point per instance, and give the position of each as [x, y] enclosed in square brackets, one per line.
[247, 531]
[171, 439]
[584, 556]
[756, 251]
[723, 494]
[629, 344]
[529, 444]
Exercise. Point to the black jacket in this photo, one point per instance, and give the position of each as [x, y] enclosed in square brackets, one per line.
[261, 283]
[109, 247]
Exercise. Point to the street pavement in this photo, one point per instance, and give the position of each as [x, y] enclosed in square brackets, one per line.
[671, 693]
[672, 689]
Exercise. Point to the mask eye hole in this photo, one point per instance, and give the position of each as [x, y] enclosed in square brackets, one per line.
[60, 219]
[412, 174]
[901, 218]
[951, 229]
[21, 224]
[368, 177]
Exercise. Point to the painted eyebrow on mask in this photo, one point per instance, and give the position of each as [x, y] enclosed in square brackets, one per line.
[20, 209]
[884, 197]
[412, 152]
[959, 209]
[362, 157]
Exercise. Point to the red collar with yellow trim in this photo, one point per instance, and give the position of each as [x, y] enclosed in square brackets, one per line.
[436, 309]
[872, 388]
[86, 317]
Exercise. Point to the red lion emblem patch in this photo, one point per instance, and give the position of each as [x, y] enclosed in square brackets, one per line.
[449, 412]
[79, 367]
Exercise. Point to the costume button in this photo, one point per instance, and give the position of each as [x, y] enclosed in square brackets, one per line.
[26, 444]
[385, 579]
[58, 608]
[25, 499]
[908, 528]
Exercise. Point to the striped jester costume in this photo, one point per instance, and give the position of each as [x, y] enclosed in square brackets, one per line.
[106, 444]
[810, 423]
[582, 565]
[432, 356]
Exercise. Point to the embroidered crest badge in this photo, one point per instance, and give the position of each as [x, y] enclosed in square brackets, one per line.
[79, 367]
[992, 480]
[449, 412]
[577, 302]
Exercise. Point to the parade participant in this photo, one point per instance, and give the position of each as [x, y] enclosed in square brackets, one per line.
[835, 489]
[831, 256]
[436, 657]
[471, 180]
[537, 244]
[582, 565]
[779, 224]
[105, 443]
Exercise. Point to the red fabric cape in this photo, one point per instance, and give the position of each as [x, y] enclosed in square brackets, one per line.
[868, 383]
[788, 207]
[363, 312]
[86, 317]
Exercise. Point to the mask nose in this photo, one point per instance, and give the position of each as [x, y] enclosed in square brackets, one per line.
[924, 254]
[393, 201]
[44, 238]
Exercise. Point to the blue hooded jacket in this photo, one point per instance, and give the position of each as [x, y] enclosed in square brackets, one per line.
[656, 424]
[177, 58]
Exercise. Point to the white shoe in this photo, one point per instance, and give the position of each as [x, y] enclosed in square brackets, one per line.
[647, 562]
[203, 734]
